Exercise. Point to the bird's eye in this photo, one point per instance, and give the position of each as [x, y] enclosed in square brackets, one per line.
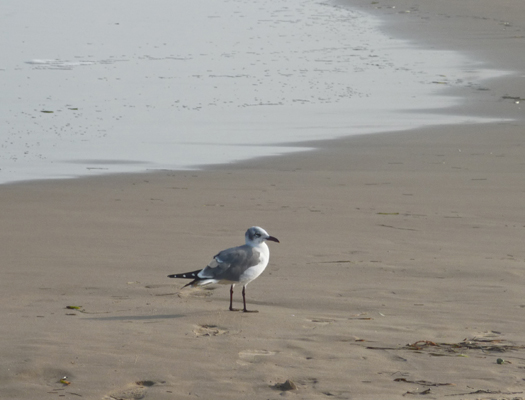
[257, 235]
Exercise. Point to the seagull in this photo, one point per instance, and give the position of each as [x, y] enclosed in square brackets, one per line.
[240, 264]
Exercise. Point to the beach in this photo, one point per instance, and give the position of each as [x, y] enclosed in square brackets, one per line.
[399, 273]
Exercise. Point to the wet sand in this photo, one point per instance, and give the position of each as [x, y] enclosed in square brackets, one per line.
[386, 240]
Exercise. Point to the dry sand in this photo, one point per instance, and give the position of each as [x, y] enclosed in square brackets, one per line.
[386, 240]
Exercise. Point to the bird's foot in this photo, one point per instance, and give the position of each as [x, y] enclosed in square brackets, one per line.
[252, 311]
[234, 309]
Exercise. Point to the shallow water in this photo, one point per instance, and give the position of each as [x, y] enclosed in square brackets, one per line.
[177, 85]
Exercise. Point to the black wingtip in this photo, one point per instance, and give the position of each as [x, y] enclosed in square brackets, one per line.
[186, 275]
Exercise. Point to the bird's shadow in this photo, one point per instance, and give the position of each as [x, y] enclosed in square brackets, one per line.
[136, 317]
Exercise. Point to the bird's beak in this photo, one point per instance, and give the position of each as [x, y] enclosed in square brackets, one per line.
[273, 239]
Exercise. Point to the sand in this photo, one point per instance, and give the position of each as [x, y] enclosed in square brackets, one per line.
[386, 240]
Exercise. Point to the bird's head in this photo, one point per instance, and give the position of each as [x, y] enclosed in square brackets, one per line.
[256, 235]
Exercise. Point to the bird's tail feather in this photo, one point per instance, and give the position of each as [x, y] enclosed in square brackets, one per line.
[197, 280]
[186, 275]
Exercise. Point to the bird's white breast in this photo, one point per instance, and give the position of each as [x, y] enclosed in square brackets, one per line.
[253, 272]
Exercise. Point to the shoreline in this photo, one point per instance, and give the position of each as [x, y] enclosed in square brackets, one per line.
[386, 240]
[491, 34]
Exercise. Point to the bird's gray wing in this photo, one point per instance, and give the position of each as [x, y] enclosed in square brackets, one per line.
[231, 263]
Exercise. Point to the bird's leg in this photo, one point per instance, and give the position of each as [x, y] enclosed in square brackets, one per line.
[231, 300]
[244, 300]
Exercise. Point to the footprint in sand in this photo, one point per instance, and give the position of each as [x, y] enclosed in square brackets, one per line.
[135, 391]
[247, 357]
[209, 330]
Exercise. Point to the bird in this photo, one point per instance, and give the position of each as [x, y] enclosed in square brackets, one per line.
[236, 265]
